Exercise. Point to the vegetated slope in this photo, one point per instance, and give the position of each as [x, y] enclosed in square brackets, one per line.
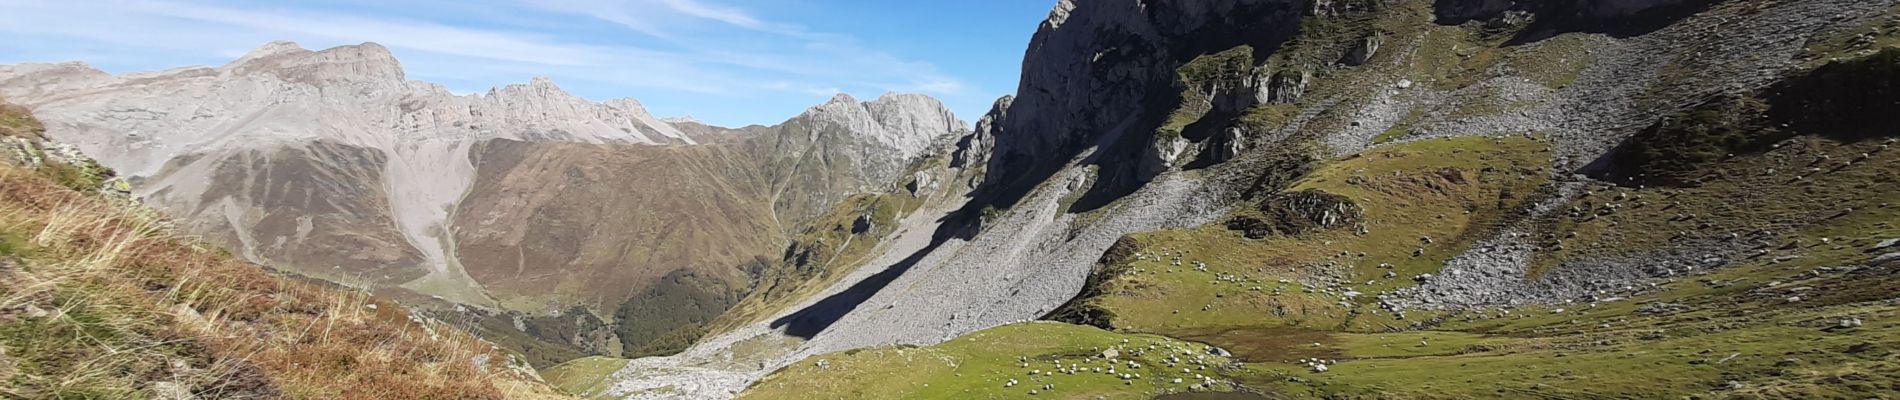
[664, 231]
[1474, 199]
[332, 165]
[106, 300]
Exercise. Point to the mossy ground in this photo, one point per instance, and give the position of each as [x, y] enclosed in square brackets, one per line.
[1856, 41]
[1399, 130]
[1450, 191]
[585, 377]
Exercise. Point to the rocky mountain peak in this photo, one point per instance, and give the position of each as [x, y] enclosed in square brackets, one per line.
[842, 98]
[367, 62]
[905, 122]
[539, 87]
[31, 80]
[268, 50]
[914, 113]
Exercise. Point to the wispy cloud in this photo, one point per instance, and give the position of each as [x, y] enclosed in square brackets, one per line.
[692, 46]
[411, 34]
[812, 53]
[728, 15]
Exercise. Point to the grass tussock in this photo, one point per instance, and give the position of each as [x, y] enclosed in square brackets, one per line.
[98, 301]
[18, 121]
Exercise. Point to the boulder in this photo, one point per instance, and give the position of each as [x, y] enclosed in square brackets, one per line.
[863, 224]
[1363, 52]
[1299, 213]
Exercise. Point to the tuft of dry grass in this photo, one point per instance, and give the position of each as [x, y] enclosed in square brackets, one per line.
[18, 121]
[101, 301]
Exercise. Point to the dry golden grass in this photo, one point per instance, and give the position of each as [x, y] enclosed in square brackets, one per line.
[18, 121]
[97, 301]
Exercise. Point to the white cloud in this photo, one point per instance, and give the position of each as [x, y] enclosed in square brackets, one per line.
[817, 54]
[728, 15]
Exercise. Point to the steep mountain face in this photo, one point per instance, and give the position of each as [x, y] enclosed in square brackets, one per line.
[845, 147]
[1295, 181]
[1099, 71]
[542, 211]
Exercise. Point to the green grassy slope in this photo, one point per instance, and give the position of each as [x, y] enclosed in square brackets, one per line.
[586, 376]
[1038, 356]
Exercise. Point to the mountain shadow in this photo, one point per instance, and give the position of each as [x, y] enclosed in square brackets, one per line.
[808, 322]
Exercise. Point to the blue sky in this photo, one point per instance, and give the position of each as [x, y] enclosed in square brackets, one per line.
[727, 62]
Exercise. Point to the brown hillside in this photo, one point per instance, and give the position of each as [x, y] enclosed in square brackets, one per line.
[100, 302]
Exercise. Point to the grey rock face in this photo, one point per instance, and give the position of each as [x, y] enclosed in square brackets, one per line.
[921, 183]
[1287, 86]
[1069, 98]
[913, 121]
[886, 133]
[974, 149]
[844, 147]
[1363, 53]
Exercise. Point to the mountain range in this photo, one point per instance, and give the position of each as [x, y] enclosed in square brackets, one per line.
[1243, 199]
[523, 203]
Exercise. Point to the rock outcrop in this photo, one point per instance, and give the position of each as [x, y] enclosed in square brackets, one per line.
[1091, 67]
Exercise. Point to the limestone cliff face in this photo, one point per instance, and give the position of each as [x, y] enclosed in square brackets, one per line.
[974, 150]
[1094, 67]
[844, 147]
